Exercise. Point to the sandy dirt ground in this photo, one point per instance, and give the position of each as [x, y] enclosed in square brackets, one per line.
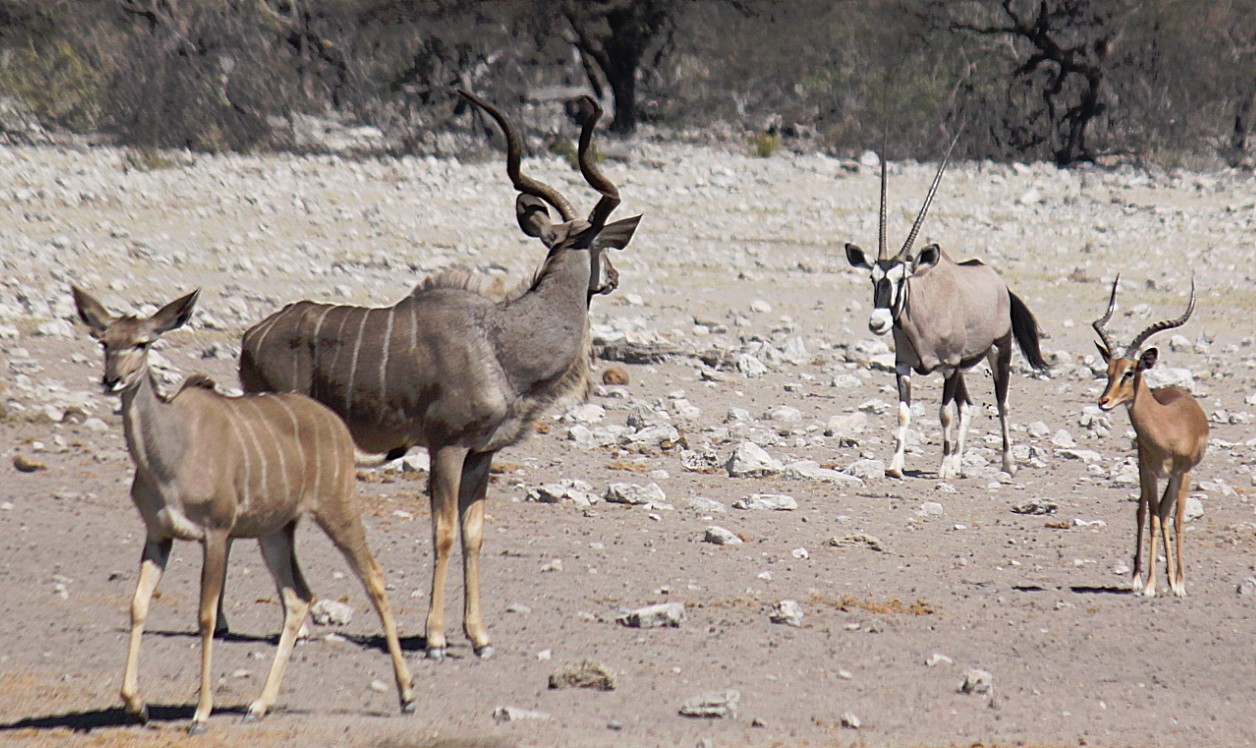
[905, 585]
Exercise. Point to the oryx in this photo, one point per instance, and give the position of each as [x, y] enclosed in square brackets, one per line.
[946, 317]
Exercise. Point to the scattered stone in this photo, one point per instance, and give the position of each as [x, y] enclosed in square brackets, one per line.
[720, 536]
[866, 469]
[1035, 507]
[717, 705]
[811, 470]
[1085, 455]
[936, 659]
[978, 682]
[1194, 508]
[767, 501]
[664, 615]
[930, 509]
[788, 612]
[572, 490]
[802, 554]
[26, 464]
[785, 414]
[516, 714]
[331, 613]
[1063, 439]
[1247, 588]
[845, 428]
[378, 686]
[633, 494]
[749, 460]
[705, 461]
[859, 539]
[707, 506]
[584, 674]
[850, 721]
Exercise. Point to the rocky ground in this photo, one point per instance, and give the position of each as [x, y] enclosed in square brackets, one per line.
[737, 478]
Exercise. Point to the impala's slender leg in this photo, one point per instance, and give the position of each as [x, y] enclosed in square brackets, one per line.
[475, 475]
[1146, 494]
[445, 479]
[152, 564]
[278, 551]
[1172, 545]
[946, 416]
[1178, 582]
[1157, 528]
[212, 573]
[343, 525]
[902, 373]
[1000, 358]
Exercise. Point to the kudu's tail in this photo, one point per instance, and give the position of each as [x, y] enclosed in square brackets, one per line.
[1025, 329]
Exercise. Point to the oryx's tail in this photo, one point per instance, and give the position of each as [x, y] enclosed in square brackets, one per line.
[1025, 329]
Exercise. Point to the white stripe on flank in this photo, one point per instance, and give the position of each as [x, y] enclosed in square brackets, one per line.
[382, 401]
[340, 337]
[276, 440]
[353, 368]
[317, 488]
[303, 466]
[235, 419]
[269, 325]
[257, 448]
[314, 352]
[414, 328]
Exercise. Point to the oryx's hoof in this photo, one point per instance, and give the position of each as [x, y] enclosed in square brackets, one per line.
[436, 653]
[484, 652]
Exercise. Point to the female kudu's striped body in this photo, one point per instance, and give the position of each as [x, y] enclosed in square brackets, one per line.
[451, 369]
[211, 468]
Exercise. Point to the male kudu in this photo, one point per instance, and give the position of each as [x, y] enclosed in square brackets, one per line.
[1172, 434]
[452, 369]
[946, 316]
[210, 468]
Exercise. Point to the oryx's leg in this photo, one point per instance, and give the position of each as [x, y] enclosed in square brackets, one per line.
[963, 407]
[341, 522]
[1000, 357]
[212, 573]
[475, 475]
[1147, 486]
[278, 550]
[445, 479]
[946, 416]
[903, 375]
[152, 564]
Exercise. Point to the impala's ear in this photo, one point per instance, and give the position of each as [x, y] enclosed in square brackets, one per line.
[533, 216]
[174, 314]
[1103, 351]
[616, 234]
[92, 312]
[1148, 359]
[855, 256]
[926, 258]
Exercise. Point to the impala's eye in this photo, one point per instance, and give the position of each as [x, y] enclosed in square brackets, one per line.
[141, 346]
[1128, 375]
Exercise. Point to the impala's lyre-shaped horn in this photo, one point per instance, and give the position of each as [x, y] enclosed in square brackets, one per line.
[1167, 324]
[920, 219]
[1099, 323]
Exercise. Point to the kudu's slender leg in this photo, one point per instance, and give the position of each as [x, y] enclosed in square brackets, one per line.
[221, 627]
[152, 564]
[903, 375]
[1000, 358]
[446, 477]
[1178, 582]
[475, 476]
[213, 572]
[344, 527]
[278, 552]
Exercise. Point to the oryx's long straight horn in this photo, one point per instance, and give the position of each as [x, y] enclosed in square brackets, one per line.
[881, 230]
[1167, 324]
[514, 152]
[592, 174]
[915, 229]
[1099, 323]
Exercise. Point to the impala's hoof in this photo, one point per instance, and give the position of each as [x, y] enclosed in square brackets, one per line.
[436, 653]
[484, 652]
[141, 714]
[407, 706]
[197, 728]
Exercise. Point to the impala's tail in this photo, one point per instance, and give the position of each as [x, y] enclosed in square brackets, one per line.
[1025, 329]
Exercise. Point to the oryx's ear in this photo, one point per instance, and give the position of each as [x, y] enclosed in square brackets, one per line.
[174, 314]
[1103, 351]
[616, 234]
[1148, 359]
[855, 256]
[926, 258]
[92, 312]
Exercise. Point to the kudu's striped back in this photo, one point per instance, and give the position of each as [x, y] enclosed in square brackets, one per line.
[212, 468]
[451, 369]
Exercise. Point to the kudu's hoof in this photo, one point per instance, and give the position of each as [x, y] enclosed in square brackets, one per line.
[197, 728]
[484, 652]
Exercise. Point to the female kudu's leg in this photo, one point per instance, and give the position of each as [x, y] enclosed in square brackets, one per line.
[446, 477]
[475, 476]
[278, 550]
[152, 564]
[213, 571]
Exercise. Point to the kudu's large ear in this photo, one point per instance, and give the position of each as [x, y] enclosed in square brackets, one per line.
[616, 234]
[174, 314]
[1148, 359]
[926, 258]
[855, 256]
[1103, 351]
[92, 312]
